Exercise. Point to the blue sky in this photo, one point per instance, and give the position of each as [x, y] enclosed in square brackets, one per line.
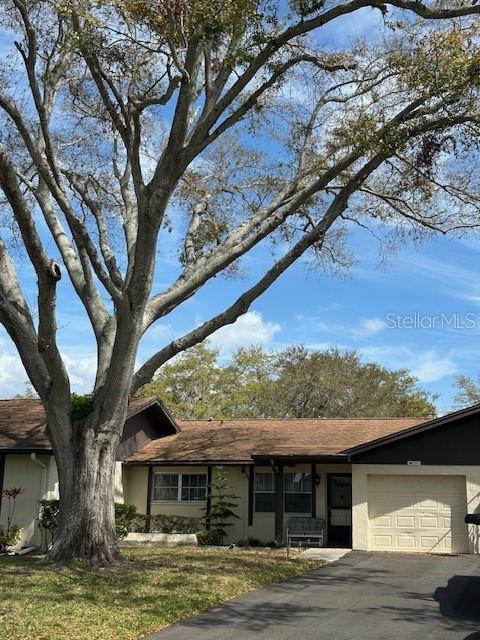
[306, 306]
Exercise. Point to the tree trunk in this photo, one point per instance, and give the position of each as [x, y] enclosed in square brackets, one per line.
[87, 510]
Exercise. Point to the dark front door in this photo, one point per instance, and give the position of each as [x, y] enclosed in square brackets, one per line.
[339, 505]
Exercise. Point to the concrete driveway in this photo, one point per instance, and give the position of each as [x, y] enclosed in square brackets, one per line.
[361, 597]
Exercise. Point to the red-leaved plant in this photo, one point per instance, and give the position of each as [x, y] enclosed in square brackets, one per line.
[11, 535]
[11, 495]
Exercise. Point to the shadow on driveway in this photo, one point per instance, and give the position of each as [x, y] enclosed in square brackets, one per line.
[460, 599]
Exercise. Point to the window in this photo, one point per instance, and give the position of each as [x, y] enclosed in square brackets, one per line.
[298, 492]
[194, 486]
[165, 486]
[185, 487]
[264, 493]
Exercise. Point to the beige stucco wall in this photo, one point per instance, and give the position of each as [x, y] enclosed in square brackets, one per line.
[360, 475]
[36, 480]
[37, 475]
[136, 485]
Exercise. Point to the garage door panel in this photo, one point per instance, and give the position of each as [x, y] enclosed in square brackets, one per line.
[405, 522]
[417, 513]
[383, 521]
[405, 542]
[430, 522]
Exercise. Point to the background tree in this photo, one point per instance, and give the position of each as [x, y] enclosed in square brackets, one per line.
[123, 120]
[294, 382]
[468, 392]
[337, 384]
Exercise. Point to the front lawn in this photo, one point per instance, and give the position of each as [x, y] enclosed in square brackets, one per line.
[154, 587]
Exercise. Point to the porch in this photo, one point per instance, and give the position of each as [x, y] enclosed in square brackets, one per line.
[268, 493]
[286, 488]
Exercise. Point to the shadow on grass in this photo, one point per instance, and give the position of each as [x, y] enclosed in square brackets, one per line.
[165, 582]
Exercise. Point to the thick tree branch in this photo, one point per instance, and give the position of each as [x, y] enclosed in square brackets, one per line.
[48, 274]
[242, 304]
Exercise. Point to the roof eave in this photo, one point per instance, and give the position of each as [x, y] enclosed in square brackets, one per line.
[181, 463]
[25, 450]
[300, 457]
[418, 428]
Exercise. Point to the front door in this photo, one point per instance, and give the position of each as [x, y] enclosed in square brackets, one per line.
[339, 505]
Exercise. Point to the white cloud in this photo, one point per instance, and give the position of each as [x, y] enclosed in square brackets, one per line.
[431, 367]
[12, 374]
[81, 369]
[369, 327]
[249, 329]
[427, 365]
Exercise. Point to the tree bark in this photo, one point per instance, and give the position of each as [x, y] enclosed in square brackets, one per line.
[87, 510]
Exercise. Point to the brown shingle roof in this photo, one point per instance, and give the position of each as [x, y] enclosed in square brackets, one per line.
[239, 440]
[22, 422]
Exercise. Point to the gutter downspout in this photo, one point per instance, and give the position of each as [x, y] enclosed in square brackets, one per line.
[43, 489]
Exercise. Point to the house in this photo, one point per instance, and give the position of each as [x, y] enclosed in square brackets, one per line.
[396, 484]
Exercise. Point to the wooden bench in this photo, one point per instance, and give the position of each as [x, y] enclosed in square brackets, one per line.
[306, 531]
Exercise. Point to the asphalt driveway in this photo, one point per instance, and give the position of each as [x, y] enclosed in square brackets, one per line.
[361, 597]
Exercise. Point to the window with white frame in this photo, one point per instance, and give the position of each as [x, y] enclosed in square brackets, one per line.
[298, 492]
[181, 487]
[264, 492]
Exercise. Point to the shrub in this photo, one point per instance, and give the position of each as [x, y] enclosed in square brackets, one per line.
[255, 542]
[49, 509]
[48, 517]
[166, 524]
[210, 537]
[124, 518]
[9, 537]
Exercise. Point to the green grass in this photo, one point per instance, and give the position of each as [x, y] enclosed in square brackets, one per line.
[153, 588]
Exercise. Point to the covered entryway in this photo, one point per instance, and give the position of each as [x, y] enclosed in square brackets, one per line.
[417, 513]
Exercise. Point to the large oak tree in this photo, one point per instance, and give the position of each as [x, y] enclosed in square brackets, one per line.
[230, 123]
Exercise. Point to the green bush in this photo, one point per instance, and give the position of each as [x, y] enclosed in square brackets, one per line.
[166, 524]
[82, 406]
[124, 518]
[9, 537]
[49, 509]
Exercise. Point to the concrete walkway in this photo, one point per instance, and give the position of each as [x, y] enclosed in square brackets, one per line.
[323, 553]
[361, 597]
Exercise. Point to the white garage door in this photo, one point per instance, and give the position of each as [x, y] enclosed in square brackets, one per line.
[417, 513]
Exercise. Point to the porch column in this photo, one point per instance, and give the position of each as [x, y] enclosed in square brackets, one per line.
[148, 510]
[251, 481]
[208, 505]
[314, 490]
[279, 504]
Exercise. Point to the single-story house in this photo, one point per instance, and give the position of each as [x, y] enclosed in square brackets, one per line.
[398, 484]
